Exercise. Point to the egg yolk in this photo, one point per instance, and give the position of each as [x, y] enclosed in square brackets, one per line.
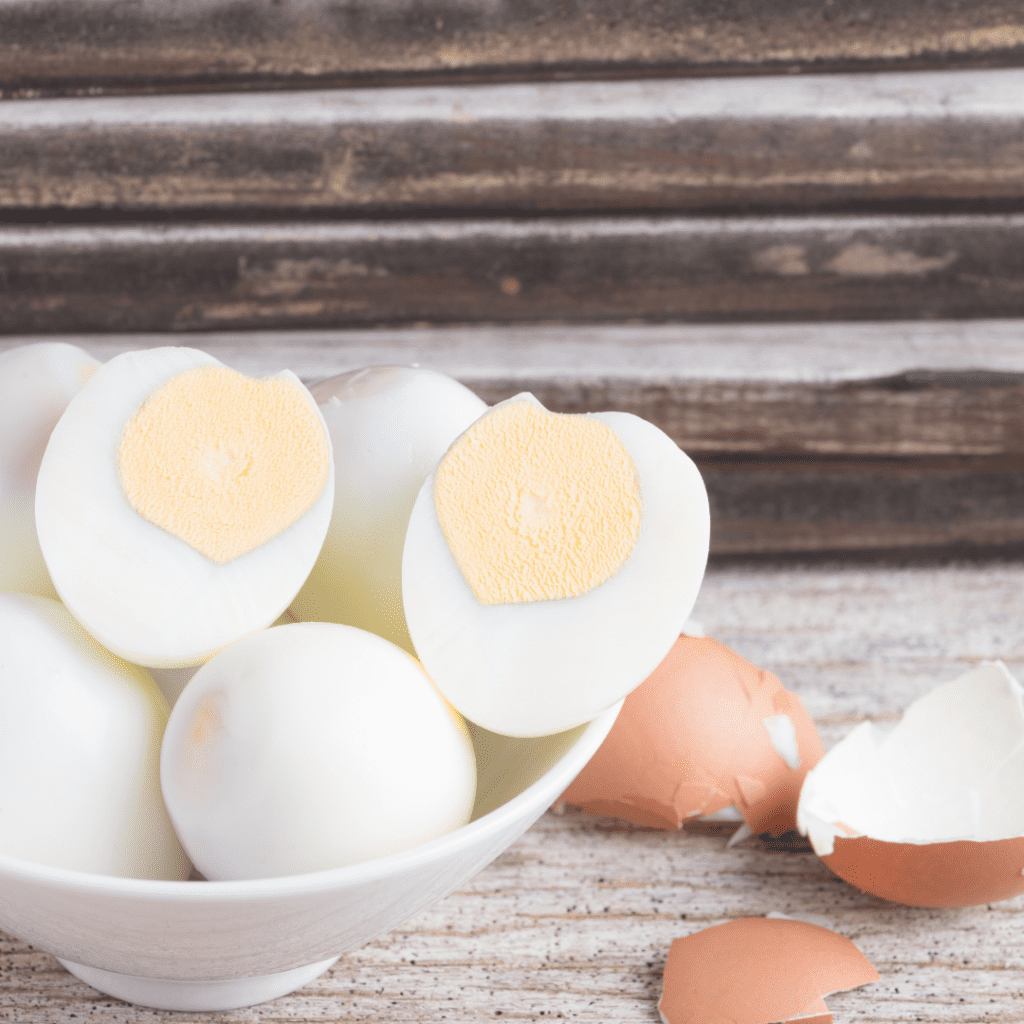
[223, 461]
[537, 505]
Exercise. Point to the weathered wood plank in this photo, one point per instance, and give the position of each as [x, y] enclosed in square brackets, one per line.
[849, 437]
[209, 276]
[575, 920]
[773, 505]
[948, 388]
[83, 45]
[800, 141]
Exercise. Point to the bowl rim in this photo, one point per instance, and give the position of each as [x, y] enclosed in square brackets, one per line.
[544, 790]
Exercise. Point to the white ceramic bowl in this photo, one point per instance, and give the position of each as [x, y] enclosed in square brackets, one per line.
[219, 945]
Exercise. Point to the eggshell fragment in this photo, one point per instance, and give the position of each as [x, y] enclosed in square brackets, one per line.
[757, 970]
[929, 814]
[704, 731]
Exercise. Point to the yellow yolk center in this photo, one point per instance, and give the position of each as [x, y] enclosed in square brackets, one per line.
[537, 505]
[223, 461]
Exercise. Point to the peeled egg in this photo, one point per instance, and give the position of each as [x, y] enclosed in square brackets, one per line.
[36, 383]
[707, 730]
[80, 734]
[928, 814]
[180, 505]
[549, 562]
[389, 426]
[310, 746]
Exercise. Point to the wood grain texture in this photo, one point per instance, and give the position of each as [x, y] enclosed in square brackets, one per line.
[810, 438]
[81, 45]
[575, 920]
[219, 276]
[948, 388]
[787, 141]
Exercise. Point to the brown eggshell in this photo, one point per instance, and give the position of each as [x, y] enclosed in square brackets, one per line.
[691, 740]
[964, 873]
[757, 970]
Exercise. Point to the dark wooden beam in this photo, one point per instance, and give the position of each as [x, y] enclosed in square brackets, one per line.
[210, 276]
[805, 505]
[78, 46]
[794, 142]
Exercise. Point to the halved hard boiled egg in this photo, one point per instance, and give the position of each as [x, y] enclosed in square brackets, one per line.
[549, 562]
[928, 814]
[36, 384]
[80, 734]
[389, 426]
[180, 505]
[310, 746]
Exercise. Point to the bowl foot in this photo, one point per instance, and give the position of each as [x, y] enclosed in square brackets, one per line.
[168, 994]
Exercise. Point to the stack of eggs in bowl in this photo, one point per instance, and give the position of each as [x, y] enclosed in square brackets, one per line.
[330, 651]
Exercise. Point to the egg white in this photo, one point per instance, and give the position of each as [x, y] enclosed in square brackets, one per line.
[143, 593]
[80, 735]
[310, 746]
[541, 667]
[389, 426]
[37, 382]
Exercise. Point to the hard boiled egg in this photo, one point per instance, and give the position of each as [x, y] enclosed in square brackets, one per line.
[36, 383]
[80, 734]
[180, 505]
[549, 562]
[310, 746]
[389, 426]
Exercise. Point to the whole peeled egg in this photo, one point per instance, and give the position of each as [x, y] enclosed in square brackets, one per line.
[389, 426]
[37, 382]
[180, 504]
[312, 746]
[80, 734]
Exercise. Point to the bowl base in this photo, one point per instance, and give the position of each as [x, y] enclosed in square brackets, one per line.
[168, 994]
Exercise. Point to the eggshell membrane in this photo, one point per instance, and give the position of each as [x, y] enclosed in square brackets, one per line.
[144, 594]
[691, 740]
[757, 970]
[542, 667]
[928, 814]
[37, 382]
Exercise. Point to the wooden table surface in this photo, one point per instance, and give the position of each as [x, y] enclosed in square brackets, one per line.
[575, 920]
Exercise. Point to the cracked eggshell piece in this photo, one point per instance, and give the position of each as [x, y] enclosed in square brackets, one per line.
[311, 746]
[928, 814]
[80, 734]
[585, 540]
[705, 731]
[389, 426]
[36, 384]
[758, 970]
[172, 583]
